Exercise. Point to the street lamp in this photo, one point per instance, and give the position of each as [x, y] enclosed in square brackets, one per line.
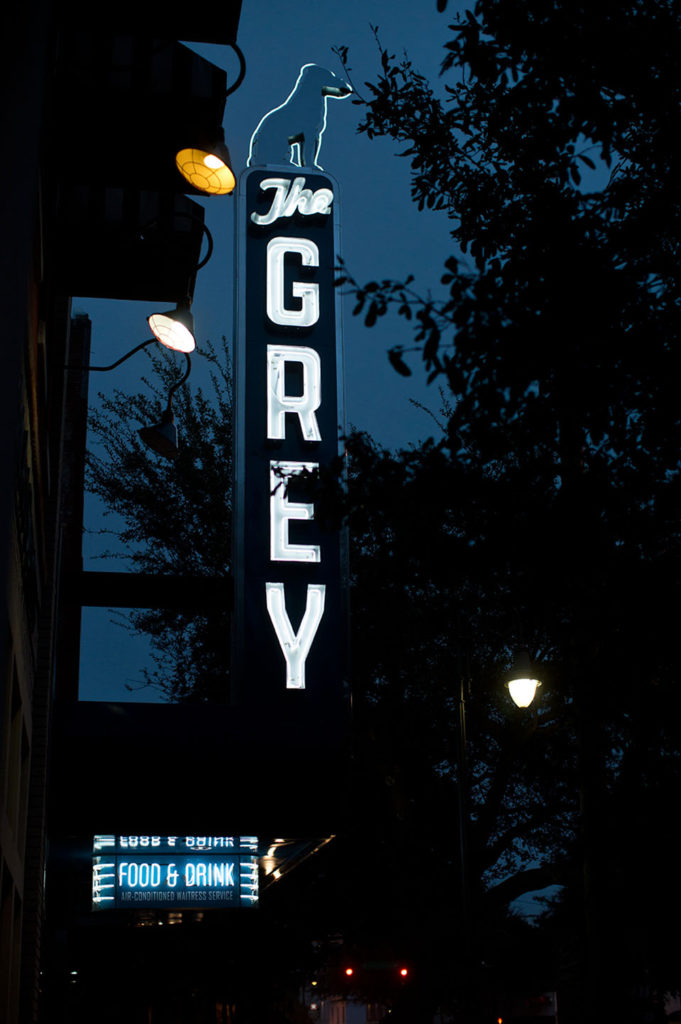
[522, 688]
[521, 683]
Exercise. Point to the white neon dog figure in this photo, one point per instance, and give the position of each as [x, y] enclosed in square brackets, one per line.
[298, 122]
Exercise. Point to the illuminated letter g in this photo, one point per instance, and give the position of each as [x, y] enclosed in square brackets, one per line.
[308, 314]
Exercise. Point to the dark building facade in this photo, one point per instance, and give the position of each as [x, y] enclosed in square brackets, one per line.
[82, 180]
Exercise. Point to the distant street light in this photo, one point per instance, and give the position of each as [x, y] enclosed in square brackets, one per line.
[522, 686]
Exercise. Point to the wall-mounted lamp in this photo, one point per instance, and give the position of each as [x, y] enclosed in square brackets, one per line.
[174, 328]
[207, 165]
[521, 683]
[161, 437]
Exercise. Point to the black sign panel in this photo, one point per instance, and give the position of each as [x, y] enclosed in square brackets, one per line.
[290, 634]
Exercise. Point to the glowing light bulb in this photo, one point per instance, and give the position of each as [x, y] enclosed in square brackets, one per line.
[212, 161]
[171, 333]
[205, 171]
[522, 691]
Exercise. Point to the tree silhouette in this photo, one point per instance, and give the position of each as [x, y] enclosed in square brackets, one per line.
[551, 150]
[173, 518]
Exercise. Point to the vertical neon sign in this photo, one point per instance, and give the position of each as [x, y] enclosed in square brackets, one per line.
[290, 622]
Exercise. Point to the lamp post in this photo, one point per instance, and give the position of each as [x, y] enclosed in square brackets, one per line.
[522, 687]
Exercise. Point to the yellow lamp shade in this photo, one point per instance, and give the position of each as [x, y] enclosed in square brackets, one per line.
[207, 171]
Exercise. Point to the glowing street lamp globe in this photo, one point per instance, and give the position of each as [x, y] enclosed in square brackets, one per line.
[523, 691]
[522, 686]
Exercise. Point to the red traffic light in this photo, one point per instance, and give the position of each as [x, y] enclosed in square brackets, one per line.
[404, 971]
[349, 971]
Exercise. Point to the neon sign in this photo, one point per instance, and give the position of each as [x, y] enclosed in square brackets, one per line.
[292, 132]
[291, 197]
[137, 872]
[290, 571]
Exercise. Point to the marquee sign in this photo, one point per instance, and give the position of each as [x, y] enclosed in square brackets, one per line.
[174, 872]
[290, 622]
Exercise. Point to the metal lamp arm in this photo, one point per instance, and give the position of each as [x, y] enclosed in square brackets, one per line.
[242, 69]
[137, 348]
[182, 379]
[112, 366]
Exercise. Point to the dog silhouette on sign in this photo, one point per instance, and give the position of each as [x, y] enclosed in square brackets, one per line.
[299, 122]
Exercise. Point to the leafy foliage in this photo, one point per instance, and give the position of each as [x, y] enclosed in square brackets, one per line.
[173, 518]
[572, 293]
[550, 147]
[430, 606]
